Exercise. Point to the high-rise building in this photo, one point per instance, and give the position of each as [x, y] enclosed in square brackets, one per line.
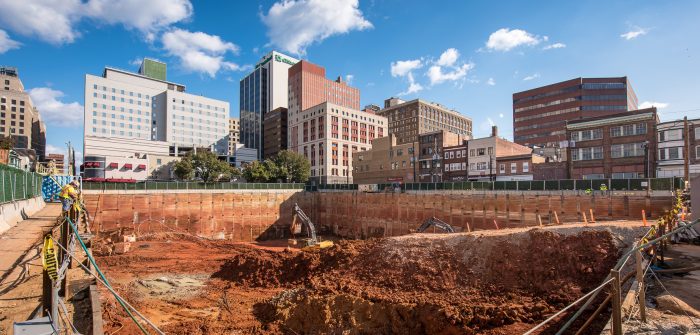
[540, 115]
[275, 130]
[408, 119]
[19, 120]
[132, 114]
[261, 91]
[234, 134]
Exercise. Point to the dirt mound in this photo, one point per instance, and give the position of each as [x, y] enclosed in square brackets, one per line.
[425, 284]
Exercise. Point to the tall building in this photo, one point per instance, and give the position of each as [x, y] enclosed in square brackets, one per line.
[409, 119]
[19, 120]
[234, 134]
[130, 114]
[329, 135]
[308, 87]
[540, 115]
[261, 91]
[618, 146]
[275, 130]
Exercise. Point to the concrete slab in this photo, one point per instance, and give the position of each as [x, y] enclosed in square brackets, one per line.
[16, 242]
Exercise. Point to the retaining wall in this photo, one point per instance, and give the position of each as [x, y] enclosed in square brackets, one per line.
[12, 213]
[247, 215]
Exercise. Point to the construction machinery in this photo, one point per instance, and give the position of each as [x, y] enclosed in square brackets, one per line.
[433, 221]
[301, 219]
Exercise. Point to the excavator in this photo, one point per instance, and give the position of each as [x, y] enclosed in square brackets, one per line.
[300, 218]
[433, 221]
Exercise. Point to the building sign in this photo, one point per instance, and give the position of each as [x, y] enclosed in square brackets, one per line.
[281, 59]
[263, 62]
[93, 165]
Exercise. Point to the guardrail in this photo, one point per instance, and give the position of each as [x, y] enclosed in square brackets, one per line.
[16, 184]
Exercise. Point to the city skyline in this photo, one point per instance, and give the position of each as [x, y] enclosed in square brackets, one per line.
[473, 62]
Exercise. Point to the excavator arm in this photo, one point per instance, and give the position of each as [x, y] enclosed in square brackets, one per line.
[433, 221]
[303, 220]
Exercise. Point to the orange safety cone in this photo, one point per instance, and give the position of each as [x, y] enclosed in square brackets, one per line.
[644, 217]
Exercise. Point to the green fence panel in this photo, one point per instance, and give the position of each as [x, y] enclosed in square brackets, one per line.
[662, 184]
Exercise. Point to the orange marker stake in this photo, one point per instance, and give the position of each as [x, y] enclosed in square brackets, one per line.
[496, 224]
[644, 217]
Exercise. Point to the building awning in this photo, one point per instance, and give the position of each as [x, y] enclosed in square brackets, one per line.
[113, 165]
[141, 166]
[127, 166]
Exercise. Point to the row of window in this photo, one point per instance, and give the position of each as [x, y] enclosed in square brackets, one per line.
[3, 100]
[616, 151]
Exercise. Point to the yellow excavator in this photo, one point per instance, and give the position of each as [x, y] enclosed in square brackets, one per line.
[312, 241]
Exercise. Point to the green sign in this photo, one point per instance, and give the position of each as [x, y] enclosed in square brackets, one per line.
[279, 58]
[263, 62]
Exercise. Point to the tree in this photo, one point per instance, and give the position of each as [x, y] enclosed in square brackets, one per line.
[291, 167]
[256, 172]
[204, 165]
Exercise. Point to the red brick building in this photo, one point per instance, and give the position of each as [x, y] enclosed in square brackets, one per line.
[614, 146]
[540, 114]
[517, 167]
[456, 162]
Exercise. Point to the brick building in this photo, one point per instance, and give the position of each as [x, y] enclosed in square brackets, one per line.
[517, 167]
[19, 120]
[484, 153]
[455, 162]
[408, 119]
[540, 114]
[615, 146]
[430, 154]
[385, 162]
[274, 132]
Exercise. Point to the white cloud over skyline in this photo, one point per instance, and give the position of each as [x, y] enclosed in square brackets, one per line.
[53, 111]
[506, 39]
[199, 52]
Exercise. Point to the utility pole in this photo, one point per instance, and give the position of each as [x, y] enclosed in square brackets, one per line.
[686, 151]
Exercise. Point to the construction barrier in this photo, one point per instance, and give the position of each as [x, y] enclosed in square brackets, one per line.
[16, 184]
[179, 185]
[51, 186]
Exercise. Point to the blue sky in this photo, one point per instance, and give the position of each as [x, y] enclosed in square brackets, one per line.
[468, 55]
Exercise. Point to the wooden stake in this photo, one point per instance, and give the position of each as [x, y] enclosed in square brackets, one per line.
[556, 217]
[495, 224]
[616, 303]
[640, 290]
[539, 219]
[592, 217]
[584, 218]
[644, 217]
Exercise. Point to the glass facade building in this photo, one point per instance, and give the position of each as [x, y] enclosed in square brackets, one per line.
[253, 100]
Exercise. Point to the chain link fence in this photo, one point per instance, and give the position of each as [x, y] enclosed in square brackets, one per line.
[16, 184]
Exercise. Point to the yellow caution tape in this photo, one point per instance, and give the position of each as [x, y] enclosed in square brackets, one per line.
[48, 258]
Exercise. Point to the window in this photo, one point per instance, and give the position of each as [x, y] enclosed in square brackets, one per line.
[471, 152]
[627, 150]
[629, 130]
[584, 154]
[502, 168]
[513, 167]
[481, 151]
[526, 166]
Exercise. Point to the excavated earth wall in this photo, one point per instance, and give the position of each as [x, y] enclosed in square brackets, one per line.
[247, 215]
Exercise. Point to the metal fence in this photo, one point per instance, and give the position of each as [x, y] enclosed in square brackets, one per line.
[642, 184]
[16, 184]
[175, 185]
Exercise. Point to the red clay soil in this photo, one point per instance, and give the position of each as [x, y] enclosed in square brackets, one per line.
[433, 284]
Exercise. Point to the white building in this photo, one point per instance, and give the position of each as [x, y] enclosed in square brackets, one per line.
[329, 134]
[132, 114]
[261, 91]
[670, 156]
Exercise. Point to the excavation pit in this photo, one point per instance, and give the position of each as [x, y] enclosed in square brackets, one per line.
[492, 282]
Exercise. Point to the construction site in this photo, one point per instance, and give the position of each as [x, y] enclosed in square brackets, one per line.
[289, 261]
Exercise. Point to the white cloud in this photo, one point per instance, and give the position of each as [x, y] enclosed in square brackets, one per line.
[649, 104]
[136, 61]
[505, 39]
[403, 67]
[532, 76]
[491, 82]
[293, 25]
[413, 86]
[437, 75]
[55, 21]
[634, 33]
[54, 111]
[199, 52]
[554, 46]
[349, 78]
[500, 115]
[6, 43]
[448, 57]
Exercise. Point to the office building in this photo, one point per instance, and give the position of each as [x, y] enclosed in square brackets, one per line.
[19, 120]
[385, 162]
[618, 146]
[328, 135]
[308, 87]
[126, 105]
[264, 89]
[540, 115]
[275, 131]
[234, 134]
[408, 119]
[672, 150]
